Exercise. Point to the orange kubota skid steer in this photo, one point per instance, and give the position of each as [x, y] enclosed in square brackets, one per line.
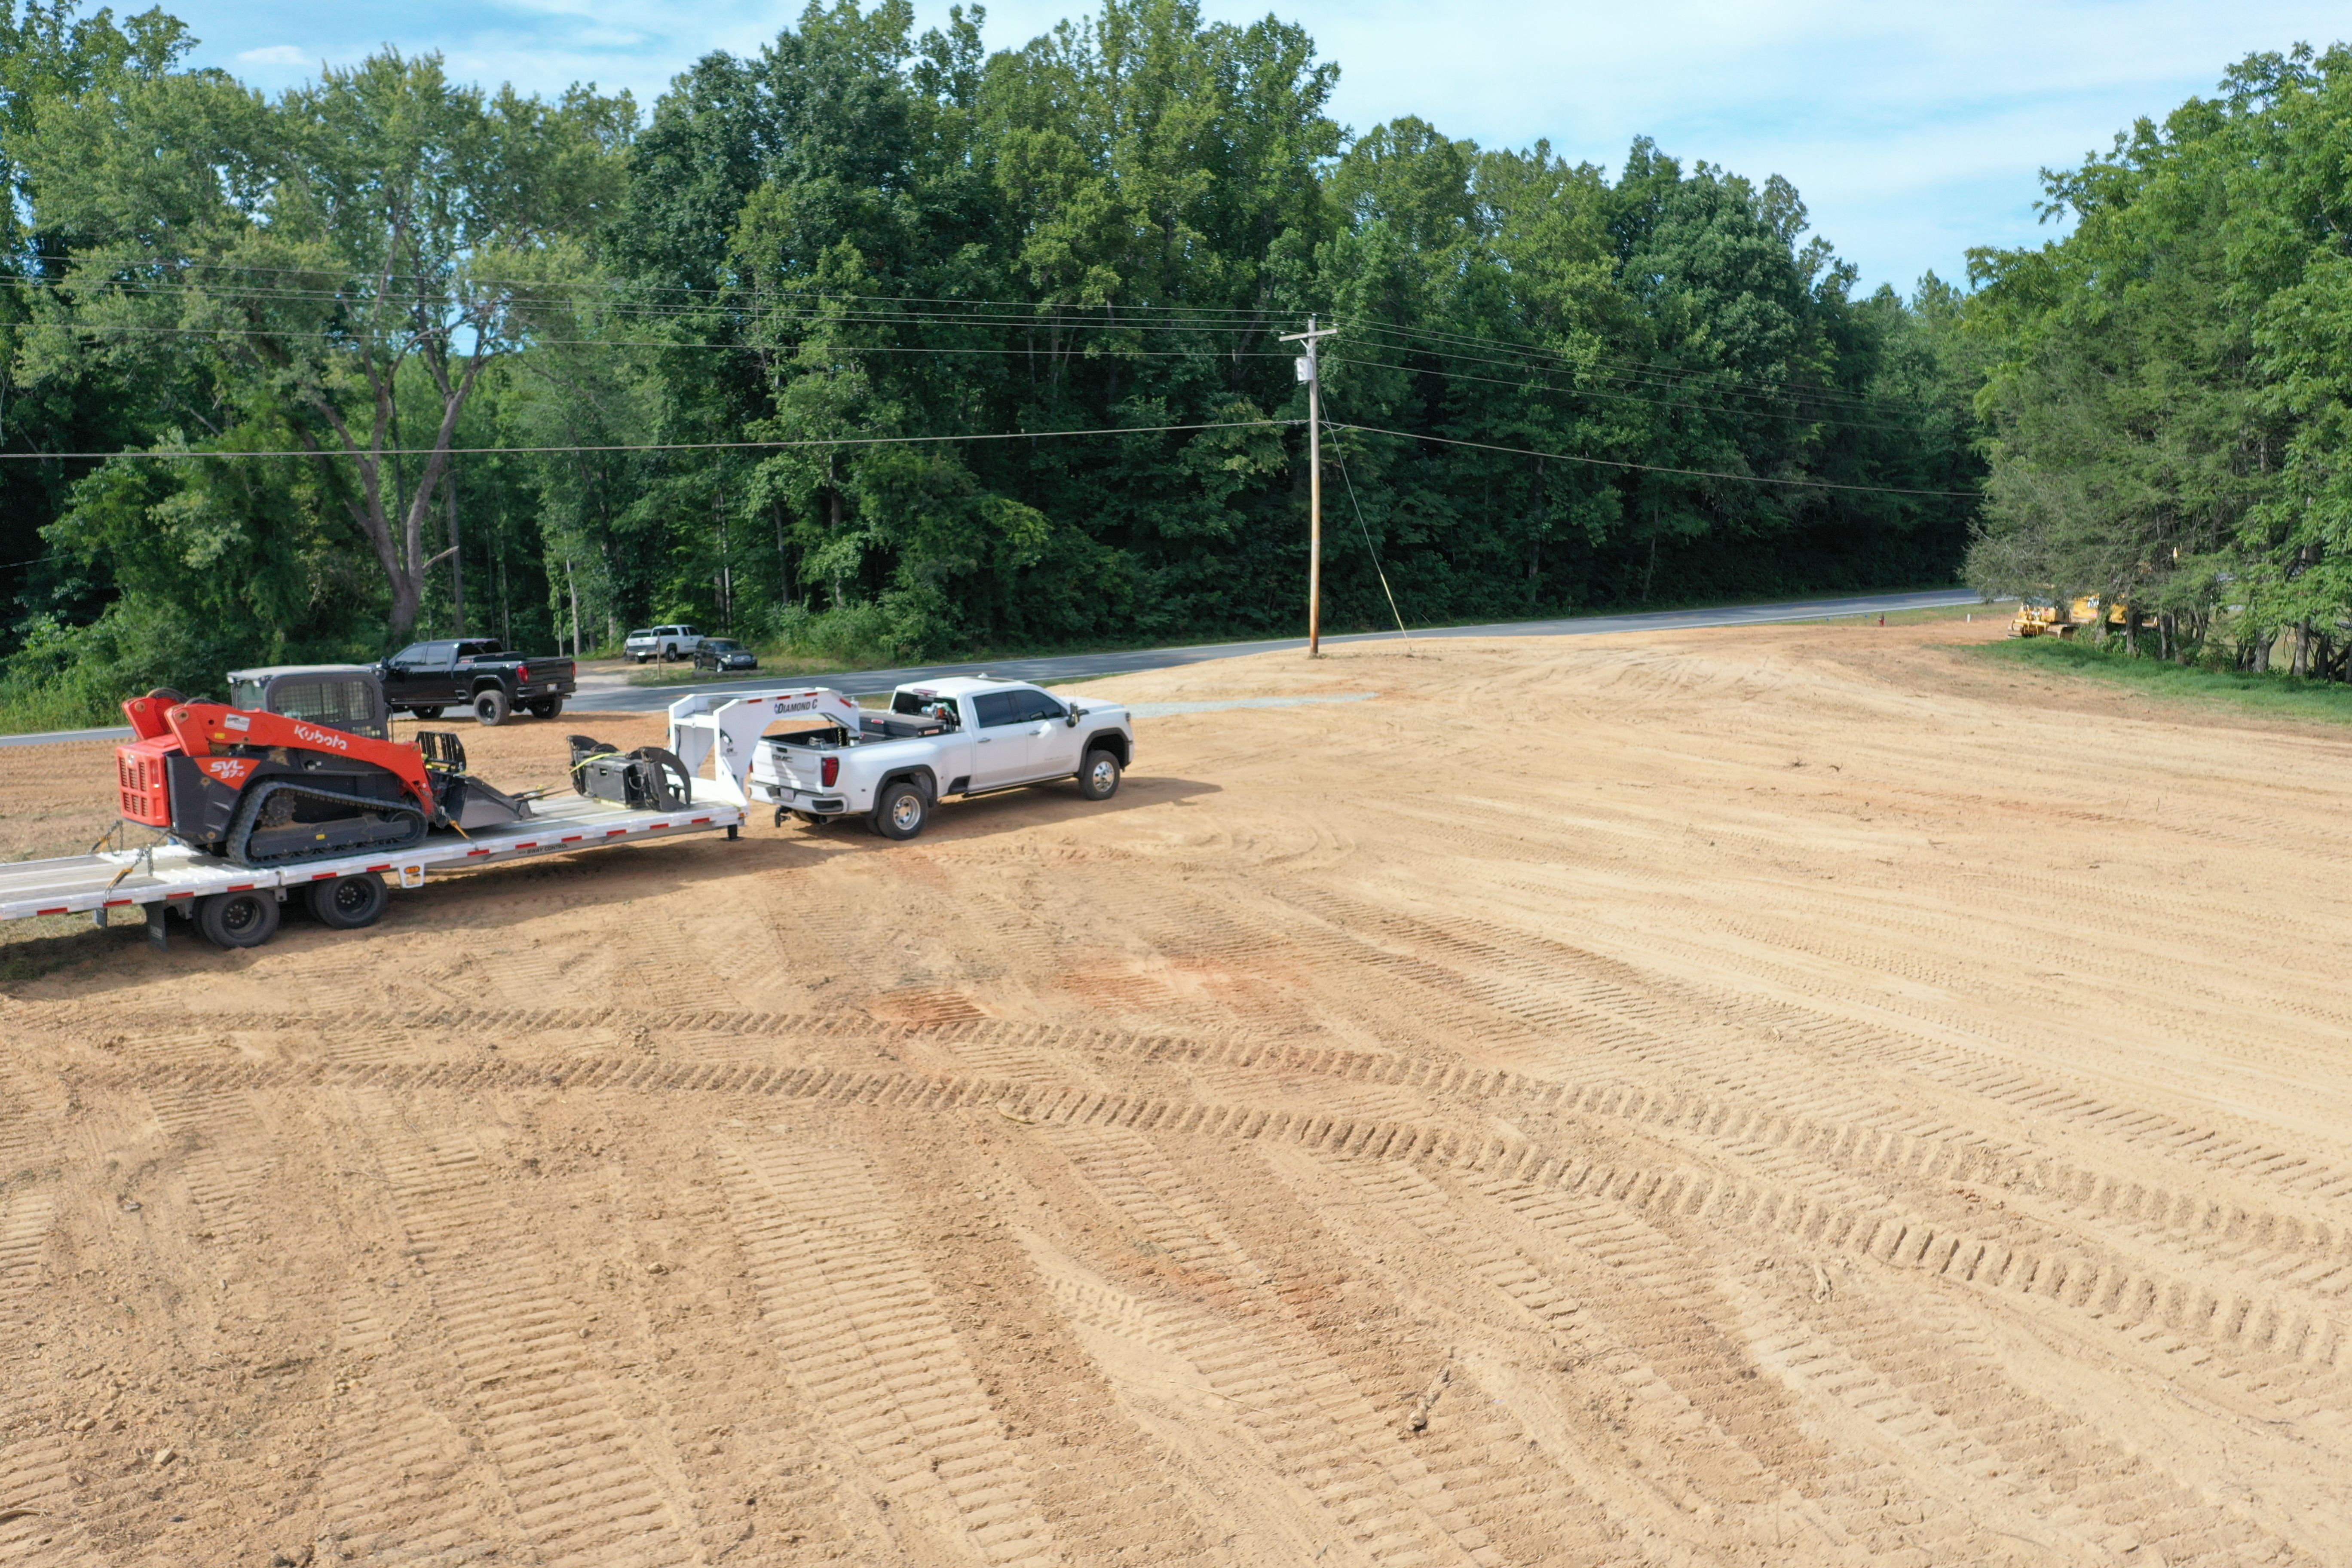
[304, 767]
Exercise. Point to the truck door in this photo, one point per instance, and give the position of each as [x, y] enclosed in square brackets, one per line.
[400, 673]
[1000, 739]
[456, 674]
[1052, 741]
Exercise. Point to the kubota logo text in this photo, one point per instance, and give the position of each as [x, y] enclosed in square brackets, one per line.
[322, 737]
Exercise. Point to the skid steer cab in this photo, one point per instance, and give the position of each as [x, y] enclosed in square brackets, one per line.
[299, 765]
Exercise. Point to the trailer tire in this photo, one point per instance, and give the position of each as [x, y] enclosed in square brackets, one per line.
[546, 707]
[429, 713]
[1098, 779]
[901, 811]
[238, 920]
[347, 903]
[491, 706]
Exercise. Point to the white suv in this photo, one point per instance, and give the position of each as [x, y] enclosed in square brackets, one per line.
[665, 643]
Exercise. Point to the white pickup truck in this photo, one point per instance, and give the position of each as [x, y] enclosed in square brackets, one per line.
[829, 758]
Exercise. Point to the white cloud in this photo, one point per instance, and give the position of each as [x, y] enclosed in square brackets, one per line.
[276, 54]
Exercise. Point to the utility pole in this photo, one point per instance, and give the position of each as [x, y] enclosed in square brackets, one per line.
[1308, 367]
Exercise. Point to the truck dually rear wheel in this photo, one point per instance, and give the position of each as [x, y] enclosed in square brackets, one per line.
[902, 811]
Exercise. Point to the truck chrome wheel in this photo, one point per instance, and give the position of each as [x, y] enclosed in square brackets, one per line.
[1098, 780]
[901, 811]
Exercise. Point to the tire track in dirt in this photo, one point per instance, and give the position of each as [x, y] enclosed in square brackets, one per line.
[857, 1325]
[1667, 1479]
[1624, 1001]
[1984, 1450]
[1932, 1358]
[2267, 1323]
[1314, 1428]
[37, 1523]
[578, 1488]
[202, 1124]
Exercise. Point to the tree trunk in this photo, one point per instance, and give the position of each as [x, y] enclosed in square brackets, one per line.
[2300, 668]
[457, 554]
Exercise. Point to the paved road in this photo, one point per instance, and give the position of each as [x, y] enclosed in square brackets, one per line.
[610, 695]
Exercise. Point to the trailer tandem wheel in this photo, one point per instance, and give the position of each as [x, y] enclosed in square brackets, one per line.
[244, 919]
[347, 903]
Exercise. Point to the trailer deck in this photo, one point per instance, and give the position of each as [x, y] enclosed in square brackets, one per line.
[157, 878]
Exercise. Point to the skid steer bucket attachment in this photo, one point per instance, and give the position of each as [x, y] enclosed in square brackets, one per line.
[648, 778]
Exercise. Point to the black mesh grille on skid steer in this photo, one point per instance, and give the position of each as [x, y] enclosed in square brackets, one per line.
[345, 702]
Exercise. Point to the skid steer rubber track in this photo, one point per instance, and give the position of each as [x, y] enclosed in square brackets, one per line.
[403, 825]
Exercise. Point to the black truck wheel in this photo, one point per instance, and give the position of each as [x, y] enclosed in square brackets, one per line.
[1098, 780]
[427, 713]
[347, 903]
[238, 920]
[901, 811]
[546, 707]
[491, 707]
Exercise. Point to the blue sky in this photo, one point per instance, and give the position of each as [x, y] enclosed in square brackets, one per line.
[1914, 131]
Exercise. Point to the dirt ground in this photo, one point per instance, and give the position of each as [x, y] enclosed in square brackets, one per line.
[1798, 1095]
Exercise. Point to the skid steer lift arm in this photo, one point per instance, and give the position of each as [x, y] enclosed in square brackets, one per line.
[209, 730]
[724, 730]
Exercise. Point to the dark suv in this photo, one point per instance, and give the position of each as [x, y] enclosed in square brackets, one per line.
[721, 655]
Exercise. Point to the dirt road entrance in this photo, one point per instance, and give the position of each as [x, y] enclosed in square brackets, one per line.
[1781, 1096]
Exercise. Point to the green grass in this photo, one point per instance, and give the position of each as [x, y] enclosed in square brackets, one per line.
[2275, 696]
[1962, 613]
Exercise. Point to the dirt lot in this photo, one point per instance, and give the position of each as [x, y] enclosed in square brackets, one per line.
[1782, 1096]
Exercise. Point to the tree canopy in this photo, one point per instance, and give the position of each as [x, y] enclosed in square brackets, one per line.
[2167, 392]
[794, 354]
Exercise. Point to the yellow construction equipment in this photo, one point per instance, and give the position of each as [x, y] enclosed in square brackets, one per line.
[2047, 619]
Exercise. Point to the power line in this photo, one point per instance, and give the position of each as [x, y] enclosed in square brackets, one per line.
[1030, 313]
[1624, 396]
[660, 446]
[1655, 468]
[654, 346]
[1642, 369]
[1362, 528]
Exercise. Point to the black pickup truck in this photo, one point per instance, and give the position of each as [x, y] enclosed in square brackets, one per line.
[425, 677]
